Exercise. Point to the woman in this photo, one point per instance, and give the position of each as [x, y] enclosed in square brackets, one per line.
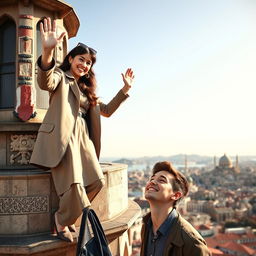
[66, 143]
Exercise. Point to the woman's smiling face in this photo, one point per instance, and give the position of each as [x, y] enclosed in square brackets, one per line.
[80, 65]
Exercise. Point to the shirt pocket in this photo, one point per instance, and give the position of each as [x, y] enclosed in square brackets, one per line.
[46, 127]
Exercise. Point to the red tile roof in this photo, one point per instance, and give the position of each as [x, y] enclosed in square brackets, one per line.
[211, 242]
[215, 252]
[203, 227]
[238, 248]
[221, 238]
[250, 244]
[227, 237]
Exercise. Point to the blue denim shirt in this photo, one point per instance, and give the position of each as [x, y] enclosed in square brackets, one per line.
[156, 243]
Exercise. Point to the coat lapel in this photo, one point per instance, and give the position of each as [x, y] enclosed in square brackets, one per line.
[93, 117]
[73, 84]
[144, 233]
[175, 238]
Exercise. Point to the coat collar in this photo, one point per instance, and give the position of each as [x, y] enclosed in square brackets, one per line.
[69, 74]
[175, 236]
[73, 84]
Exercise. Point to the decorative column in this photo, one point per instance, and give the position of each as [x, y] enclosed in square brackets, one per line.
[25, 107]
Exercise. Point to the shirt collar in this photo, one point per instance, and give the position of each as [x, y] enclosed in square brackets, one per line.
[166, 225]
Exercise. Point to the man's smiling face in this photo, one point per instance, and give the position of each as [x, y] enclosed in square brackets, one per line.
[159, 187]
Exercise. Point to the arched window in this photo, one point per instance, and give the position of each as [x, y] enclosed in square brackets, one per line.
[38, 39]
[7, 63]
[42, 97]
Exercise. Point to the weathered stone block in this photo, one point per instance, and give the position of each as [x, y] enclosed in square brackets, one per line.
[19, 187]
[113, 198]
[39, 185]
[34, 219]
[2, 149]
[11, 224]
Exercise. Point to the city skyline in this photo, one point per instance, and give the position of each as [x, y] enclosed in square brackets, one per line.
[194, 74]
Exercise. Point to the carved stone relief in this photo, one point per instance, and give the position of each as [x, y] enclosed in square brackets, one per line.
[25, 45]
[21, 147]
[25, 69]
[24, 205]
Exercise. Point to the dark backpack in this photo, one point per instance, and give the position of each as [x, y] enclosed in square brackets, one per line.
[97, 245]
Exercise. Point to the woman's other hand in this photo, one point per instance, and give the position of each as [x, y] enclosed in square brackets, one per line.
[128, 79]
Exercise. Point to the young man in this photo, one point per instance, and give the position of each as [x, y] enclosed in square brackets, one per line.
[164, 231]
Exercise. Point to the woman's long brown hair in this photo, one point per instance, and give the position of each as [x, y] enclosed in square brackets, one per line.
[87, 85]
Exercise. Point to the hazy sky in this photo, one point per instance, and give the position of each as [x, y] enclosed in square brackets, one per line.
[194, 62]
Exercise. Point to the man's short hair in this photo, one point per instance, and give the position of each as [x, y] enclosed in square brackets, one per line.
[179, 182]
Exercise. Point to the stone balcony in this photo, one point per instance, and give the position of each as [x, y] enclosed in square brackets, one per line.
[28, 201]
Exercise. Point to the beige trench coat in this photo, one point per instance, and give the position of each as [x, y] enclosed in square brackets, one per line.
[58, 124]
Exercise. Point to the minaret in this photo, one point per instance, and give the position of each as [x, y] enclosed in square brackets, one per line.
[186, 164]
[214, 162]
[237, 165]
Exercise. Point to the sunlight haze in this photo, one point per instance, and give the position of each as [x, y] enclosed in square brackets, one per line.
[194, 62]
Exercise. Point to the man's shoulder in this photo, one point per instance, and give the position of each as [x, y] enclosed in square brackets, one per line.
[146, 217]
[188, 231]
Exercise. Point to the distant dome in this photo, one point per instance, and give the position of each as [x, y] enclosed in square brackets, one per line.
[225, 162]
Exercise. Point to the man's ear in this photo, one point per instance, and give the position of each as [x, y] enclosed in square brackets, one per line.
[70, 59]
[176, 195]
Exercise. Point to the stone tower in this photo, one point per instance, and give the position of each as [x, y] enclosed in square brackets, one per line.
[27, 195]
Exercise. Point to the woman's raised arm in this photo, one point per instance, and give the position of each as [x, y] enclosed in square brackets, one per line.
[49, 41]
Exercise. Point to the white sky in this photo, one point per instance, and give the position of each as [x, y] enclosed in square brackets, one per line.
[194, 63]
